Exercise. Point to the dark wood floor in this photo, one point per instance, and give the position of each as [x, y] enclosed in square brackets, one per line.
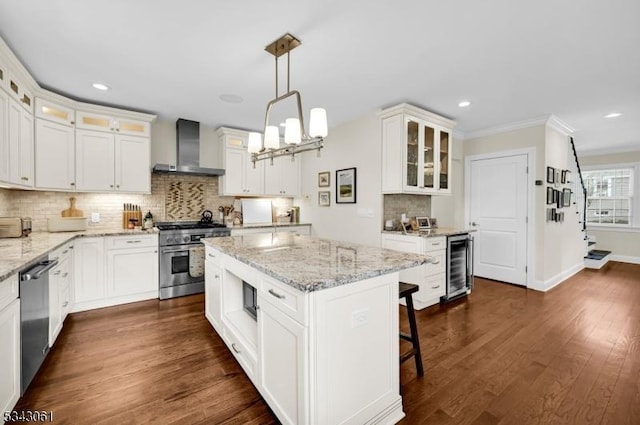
[504, 355]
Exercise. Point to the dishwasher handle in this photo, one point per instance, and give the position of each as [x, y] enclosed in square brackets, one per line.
[40, 269]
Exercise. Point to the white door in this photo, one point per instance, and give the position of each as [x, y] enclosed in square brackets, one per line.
[497, 197]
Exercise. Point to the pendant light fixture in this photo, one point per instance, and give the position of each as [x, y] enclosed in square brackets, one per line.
[295, 137]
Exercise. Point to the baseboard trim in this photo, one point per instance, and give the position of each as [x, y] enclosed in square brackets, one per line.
[544, 286]
[625, 259]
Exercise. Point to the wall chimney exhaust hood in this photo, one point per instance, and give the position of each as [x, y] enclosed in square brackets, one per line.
[187, 152]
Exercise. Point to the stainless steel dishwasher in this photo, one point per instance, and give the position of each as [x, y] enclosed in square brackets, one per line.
[34, 318]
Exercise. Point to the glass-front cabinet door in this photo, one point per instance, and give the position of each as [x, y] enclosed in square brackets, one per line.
[445, 158]
[427, 160]
[413, 154]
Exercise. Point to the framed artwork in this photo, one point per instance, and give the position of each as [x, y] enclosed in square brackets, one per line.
[566, 197]
[550, 195]
[551, 175]
[558, 199]
[558, 176]
[564, 178]
[346, 186]
[324, 198]
[324, 179]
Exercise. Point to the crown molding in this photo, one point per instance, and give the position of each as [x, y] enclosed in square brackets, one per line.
[546, 120]
[412, 110]
[606, 151]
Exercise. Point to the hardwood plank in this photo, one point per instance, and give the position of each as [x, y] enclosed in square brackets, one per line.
[503, 355]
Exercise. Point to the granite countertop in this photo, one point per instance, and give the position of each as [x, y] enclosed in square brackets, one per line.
[260, 225]
[310, 264]
[432, 233]
[18, 253]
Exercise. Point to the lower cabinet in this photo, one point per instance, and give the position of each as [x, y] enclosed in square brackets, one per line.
[60, 282]
[431, 277]
[212, 306]
[297, 229]
[9, 343]
[282, 355]
[115, 270]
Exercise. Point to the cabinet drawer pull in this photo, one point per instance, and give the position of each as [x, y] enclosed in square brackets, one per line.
[217, 276]
[212, 256]
[136, 241]
[435, 287]
[56, 273]
[66, 303]
[435, 262]
[233, 345]
[275, 294]
[434, 244]
[65, 251]
[65, 275]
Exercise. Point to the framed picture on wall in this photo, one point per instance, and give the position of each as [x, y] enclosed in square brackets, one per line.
[324, 179]
[551, 175]
[563, 177]
[346, 186]
[566, 197]
[550, 195]
[324, 198]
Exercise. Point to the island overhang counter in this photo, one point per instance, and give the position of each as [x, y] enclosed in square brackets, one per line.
[322, 344]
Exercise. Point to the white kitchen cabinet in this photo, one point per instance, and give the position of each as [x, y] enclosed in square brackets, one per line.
[5, 160]
[299, 230]
[241, 177]
[9, 343]
[112, 124]
[303, 229]
[212, 298]
[54, 112]
[60, 282]
[20, 145]
[283, 364]
[133, 271]
[430, 277]
[89, 272]
[115, 270]
[55, 155]
[107, 162]
[283, 177]
[416, 146]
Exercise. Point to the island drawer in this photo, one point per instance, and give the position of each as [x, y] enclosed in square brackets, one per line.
[288, 300]
[212, 254]
[438, 263]
[243, 354]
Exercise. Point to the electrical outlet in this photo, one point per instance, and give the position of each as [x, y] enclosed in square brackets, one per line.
[359, 318]
[95, 217]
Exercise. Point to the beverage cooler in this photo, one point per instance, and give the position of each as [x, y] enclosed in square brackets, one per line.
[459, 279]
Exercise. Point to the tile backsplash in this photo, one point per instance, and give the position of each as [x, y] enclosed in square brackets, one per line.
[173, 197]
[411, 205]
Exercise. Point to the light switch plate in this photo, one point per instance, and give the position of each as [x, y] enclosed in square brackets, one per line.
[95, 217]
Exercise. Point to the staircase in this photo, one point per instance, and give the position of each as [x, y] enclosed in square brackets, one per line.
[594, 258]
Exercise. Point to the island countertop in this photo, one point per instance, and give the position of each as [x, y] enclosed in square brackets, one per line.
[309, 263]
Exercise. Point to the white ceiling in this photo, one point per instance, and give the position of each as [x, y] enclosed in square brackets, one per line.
[514, 60]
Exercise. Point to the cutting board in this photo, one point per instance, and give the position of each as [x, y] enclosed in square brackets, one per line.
[72, 211]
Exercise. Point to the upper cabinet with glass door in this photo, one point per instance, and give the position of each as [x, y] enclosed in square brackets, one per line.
[416, 146]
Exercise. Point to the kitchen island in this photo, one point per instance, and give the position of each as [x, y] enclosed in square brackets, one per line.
[313, 323]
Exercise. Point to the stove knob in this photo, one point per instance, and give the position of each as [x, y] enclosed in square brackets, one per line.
[171, 240]
[186, 238]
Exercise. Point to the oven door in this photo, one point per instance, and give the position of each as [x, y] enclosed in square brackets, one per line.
[174, 265]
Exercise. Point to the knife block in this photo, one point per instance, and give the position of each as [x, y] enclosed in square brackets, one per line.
[128, 215]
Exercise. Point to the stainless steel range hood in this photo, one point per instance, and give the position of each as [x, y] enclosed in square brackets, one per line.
[187, 152]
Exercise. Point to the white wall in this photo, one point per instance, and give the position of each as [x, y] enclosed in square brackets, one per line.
[624, 244]
[449, 209]
[355, 144]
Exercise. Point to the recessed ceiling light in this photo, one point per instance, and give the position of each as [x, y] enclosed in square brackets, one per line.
[100, 86]
[613, 115]
[464, 104]
[231, 98]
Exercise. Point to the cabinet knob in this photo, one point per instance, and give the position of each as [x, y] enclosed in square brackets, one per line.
[111, 186]
[66, 303]
[217, 276]
[24, 178]
[72, 122]
[118, 186]
[72, 184]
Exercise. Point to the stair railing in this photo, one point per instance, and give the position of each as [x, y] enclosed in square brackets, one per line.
[584, 188]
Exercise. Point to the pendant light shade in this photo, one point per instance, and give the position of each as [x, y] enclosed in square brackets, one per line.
[271, 137]
[318, 123]
[255, 143]
[292, 132]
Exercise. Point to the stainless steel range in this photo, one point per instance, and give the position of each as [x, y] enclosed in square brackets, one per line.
[182, 255]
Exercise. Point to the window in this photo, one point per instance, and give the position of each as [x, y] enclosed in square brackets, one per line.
[609, 196]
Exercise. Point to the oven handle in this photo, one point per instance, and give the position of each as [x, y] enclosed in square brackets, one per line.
[172, 250]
